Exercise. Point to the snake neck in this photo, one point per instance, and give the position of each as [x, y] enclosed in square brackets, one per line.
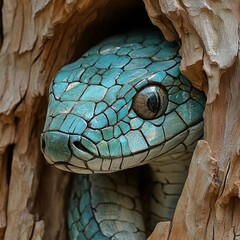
[168, 174]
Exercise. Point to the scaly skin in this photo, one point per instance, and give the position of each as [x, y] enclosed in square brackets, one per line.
[123, 104]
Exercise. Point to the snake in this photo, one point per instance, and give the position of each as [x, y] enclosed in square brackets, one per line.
[126, 121]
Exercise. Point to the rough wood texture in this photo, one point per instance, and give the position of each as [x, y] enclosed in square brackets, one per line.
[41, 36]
[38, 38]
[208, 31]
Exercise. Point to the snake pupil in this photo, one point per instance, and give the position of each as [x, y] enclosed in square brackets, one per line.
[153, 102]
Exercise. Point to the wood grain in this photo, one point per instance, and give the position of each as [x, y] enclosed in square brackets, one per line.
[208, 33]
[39, 37]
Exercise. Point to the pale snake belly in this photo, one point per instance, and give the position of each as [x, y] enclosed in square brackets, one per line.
[123, 104]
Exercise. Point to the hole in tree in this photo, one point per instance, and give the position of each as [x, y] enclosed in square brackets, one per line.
[118, 21]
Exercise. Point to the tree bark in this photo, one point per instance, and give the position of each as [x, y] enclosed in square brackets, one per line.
[39, 37]
[208, 31]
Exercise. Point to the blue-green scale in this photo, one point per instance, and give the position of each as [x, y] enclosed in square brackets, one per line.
[89, 73]
[109, 78]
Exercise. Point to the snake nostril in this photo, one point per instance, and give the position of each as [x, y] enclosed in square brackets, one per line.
[79, 146]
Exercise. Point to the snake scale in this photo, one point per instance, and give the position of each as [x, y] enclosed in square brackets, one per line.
[123, 104]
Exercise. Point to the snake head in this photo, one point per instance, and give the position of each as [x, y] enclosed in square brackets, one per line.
[124, 103]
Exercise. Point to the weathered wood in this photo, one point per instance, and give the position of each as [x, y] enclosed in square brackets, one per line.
[208, 31]
[41, 36]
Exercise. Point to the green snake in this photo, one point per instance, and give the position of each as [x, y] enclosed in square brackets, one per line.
[123, 104]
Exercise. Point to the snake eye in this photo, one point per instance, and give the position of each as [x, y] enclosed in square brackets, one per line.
[150, 102]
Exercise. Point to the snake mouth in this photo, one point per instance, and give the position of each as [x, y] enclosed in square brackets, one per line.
[72, 168]
[78, 154]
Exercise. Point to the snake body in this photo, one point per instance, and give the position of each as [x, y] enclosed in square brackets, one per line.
[123, 104]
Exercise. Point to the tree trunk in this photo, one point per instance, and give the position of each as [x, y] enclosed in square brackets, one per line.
[208, 31]
[39, 37]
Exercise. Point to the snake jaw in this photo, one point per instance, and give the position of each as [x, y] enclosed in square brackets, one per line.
[75, 157]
